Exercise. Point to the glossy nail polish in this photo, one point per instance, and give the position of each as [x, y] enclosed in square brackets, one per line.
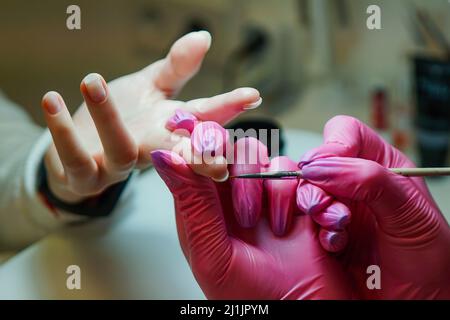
[333, 241]
[52, 103]
[182, 120]
[95, 87]
[209, 139]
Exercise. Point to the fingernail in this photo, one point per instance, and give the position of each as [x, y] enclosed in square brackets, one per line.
[165, 165]
[182, 120]
[250, 154]
[306, 158]
[281, 196]
[280, 212]
[253, 105]
[52, 103]
[247, 201]
[312, 171]
[209, 139]
[207, 36]
[159, 158]
[94, 87]
[223, 179]
[332, 220]
[333, 241]
[341, 213]
[315, 198]
[327, 150]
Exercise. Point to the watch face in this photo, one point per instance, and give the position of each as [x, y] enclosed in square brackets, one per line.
[101, 205]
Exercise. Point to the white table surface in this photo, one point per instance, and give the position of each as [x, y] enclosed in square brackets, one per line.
[133, 255]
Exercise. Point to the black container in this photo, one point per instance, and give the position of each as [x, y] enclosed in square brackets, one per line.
[432, 92]
[265, 124]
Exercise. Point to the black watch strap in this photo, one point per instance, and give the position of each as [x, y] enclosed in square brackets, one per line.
[98, 206]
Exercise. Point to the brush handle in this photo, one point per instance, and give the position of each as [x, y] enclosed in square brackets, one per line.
[406, 172]
[421, 172]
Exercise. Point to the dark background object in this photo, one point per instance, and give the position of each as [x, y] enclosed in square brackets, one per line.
[260, 123]
[432, 88]
[255, 43]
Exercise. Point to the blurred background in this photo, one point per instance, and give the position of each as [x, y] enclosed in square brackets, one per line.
[311, 59]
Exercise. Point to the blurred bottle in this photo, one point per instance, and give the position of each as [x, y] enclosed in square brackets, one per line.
[432, 115]
[401, 132]
[380, 112]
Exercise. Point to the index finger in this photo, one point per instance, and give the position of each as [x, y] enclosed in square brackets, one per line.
[281, 196]
[250, 156]
[119, 145]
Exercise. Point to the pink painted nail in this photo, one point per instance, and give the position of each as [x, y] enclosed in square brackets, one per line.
[209, 138]
[281, 196]
[250, 156]
[332, 220]
[311, 199]
[333, 241]
[182, 120]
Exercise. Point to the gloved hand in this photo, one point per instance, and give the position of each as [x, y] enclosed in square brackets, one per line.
[395, 222]
[232, 262]
[249, 199]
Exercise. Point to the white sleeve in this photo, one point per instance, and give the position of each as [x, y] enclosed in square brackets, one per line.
[23, 216]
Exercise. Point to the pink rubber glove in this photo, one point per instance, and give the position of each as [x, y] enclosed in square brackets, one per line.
[249, 199]
[231, 262]
[395, 222]
[208, 144]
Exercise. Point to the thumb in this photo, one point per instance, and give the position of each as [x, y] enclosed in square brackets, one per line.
[202, 228]
[182, 62]
[391, 197]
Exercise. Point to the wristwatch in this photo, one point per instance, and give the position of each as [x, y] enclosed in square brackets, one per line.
[94, 207]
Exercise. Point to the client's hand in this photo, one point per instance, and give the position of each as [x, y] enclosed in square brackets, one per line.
[119, 124]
